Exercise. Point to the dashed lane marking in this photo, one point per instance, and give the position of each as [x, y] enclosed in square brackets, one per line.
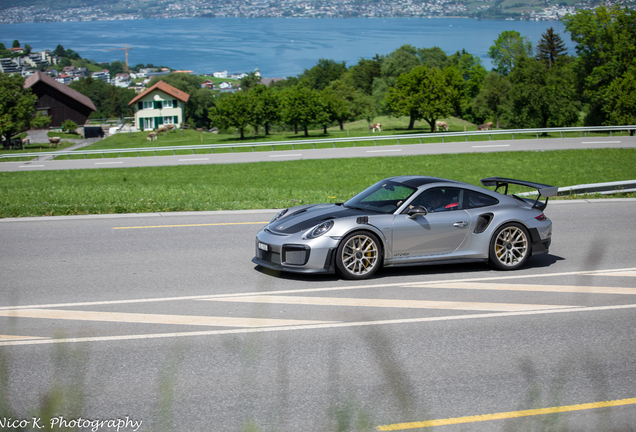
[387, 303]
[154, 318]
[505, 415]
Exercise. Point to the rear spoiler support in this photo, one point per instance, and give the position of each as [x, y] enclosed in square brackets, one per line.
[544, 190]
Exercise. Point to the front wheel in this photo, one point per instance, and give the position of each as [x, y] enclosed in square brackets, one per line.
[510, 247]
[359, 256]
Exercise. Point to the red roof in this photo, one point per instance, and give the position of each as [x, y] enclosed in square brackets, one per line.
[164, 87]
[44, 78]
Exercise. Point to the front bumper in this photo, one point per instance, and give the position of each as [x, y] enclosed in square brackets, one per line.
[295, 254]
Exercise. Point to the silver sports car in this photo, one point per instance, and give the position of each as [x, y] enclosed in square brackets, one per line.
[409, 220]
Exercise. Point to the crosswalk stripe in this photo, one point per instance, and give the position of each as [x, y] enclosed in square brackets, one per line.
[527, 287]
[155, 318]
[390, 303]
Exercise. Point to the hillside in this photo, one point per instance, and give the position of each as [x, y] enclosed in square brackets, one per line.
[17, 11]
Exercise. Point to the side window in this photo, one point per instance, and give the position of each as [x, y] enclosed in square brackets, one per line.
[475, 199]
[439, 199]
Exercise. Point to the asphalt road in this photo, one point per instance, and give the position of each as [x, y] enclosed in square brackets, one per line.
[362, 151]
[163, 319]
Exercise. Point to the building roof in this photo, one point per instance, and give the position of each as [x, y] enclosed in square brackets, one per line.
[73, 94]
[164, 87]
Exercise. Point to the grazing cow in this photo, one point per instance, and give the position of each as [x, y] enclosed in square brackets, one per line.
[485, 126]
[26, 141]
[170, 127]
[377, 126]
[441, 124]
[152, 137]
[54, 140]
[162, 130]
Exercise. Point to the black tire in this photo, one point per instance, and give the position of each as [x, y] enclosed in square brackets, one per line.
[359, 255]
[510, 247]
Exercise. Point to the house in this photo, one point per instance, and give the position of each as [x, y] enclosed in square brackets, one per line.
[59, 101]
[208, 84]
[221, 74]
[158, 105]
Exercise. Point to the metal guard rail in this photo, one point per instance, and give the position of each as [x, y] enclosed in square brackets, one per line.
[293, 143]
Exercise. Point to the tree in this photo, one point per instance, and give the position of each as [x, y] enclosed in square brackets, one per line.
[232, 110]
[433, 57]
[250, 81]
[319, 76]
[69, 126]
[508, 49]
[303, 107]
[493, 97]
[109, 100]
[361, 76]
[421, 94]
[17, 107]
[542, 97]
[473, 74]
[605, 50]
[402, 60]
[59, 51]
[16, 44]
[620, 106]
[551, 47]
[266, 106]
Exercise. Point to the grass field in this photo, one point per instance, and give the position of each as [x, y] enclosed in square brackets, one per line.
[284, 184]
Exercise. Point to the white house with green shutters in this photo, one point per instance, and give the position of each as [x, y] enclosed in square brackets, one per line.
[161, 104]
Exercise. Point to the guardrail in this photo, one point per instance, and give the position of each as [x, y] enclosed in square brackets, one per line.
[322, 141]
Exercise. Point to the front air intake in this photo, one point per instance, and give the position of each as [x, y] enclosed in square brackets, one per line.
[295, 254]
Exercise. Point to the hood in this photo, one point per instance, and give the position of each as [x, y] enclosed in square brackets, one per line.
[304, 217]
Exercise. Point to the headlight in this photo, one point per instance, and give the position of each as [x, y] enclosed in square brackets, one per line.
[319, 230]
[279, 215]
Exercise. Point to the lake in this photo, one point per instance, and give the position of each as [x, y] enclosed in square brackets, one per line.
[278, 47]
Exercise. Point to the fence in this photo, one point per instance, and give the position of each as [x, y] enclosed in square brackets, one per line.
[362, 139]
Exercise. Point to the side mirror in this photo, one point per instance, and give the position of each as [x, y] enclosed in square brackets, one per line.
[415, 211]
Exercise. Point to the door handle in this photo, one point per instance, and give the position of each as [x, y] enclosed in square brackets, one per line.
[460, 224]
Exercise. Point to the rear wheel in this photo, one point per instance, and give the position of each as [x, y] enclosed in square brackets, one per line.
[510, 247]
[359, 255]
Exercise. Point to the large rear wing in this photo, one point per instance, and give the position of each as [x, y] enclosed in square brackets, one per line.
[544, 190]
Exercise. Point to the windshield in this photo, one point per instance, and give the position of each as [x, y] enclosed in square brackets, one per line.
[383, 197]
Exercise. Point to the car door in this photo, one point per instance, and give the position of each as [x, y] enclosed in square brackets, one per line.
[441, 231]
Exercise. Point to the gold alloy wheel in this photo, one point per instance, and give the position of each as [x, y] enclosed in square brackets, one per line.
[360, 255]
[511, 246]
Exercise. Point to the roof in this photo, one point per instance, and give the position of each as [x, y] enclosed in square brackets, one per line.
[164, 87]
[39, 76]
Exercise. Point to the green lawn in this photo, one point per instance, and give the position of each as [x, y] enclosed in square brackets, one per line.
[284, 184]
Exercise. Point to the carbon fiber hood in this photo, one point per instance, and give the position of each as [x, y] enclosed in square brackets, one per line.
[304, 217]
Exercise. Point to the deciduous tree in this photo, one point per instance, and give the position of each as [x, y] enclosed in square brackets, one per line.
[508, 49]
[17, 107]
[422, 94]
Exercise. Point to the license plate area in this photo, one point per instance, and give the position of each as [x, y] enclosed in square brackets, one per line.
[263, 247]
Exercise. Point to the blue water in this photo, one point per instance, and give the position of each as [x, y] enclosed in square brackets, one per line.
[278, 47]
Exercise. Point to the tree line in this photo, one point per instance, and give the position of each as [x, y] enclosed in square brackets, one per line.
[529, 87]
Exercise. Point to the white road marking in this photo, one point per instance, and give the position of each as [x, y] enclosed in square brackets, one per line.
[602, 142]
[382, 151]
[286, 155]
[307, 290]
[14, 337]
[138, 318]
[318, 326]
[390, 303]
[494, 145]
[631, 273]
[196, 159]
[537, 288]
[30, 166]
[107, 163]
